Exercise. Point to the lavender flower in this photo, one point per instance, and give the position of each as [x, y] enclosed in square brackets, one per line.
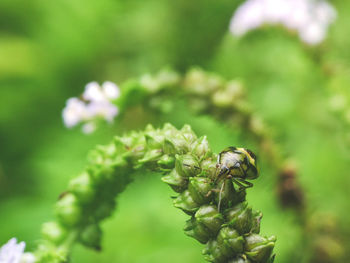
[309, 18]
[12, 252]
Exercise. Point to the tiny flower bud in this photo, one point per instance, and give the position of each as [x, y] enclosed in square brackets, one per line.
[186, 165]
[53, 232]
[185, 202]
[197, 231]
[213, 252]
[175, 181]
[231, 241]
[189, 135]
[151, 156]
[209, 216]
[91, 236]
[154, 141]
[258, 248]
[240, 217]
[68, 210]
[201, 147]
[199, 188]
[166, 162]
[82, 187]
[104, 210]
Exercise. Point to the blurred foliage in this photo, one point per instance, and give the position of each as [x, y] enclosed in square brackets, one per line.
[50, 50]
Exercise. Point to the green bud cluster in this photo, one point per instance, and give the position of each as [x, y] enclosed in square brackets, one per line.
[208, 93]
[230, 234]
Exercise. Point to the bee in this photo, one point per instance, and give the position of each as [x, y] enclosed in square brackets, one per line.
[237, 164]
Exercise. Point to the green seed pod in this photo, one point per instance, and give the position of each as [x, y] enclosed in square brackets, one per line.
[258, 248]
[185, 202]
[68, 210]
[99, 174]
[166, 162]
[154, 140]
[104, 210]
[186, 165]
[208, 167]
[209, 216]
[54, 232]
[189, 135]
[82, 187]
[197, 231]
[201, 148]
[151, 156]
[240, 217]
[231, 241]
[175, 181]
[256, 222]
[199, 188]
[213, 252]
[91, 236]
[176, 144]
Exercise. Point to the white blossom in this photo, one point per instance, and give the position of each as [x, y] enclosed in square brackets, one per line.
[96, 104]
[74, 112]
[309, 18]
[12, 252]
[110, 90]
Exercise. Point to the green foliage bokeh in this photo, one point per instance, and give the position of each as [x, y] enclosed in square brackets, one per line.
[50, 50]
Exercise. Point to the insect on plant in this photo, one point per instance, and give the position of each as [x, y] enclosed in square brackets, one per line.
[238, 165]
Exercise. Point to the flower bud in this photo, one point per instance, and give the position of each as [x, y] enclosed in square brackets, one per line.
[91, 236]
[68, 210]
[54, 232]
[201, 148]
[186, 165]
[175, 181]
[213, 253]
[185, 202]
[104, 210]
[100, 173]
[231, 241]
[209, 216]
[166, 162]
[257, 216]
[82, 187]
[154, 140]
[258, 248]
[151, 156]
[199, 188]
[197, 231]
[175, 142]
[189, 135]
[208, 167]
[240, 217]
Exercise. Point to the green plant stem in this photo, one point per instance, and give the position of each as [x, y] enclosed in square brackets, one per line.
[230, 234]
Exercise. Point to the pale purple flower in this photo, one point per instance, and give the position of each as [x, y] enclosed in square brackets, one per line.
[96, 104]
[309, 18]
[13, 252]
[93, 92]
[74, 112]
[110, 90]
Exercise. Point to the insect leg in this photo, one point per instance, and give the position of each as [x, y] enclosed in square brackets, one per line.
[248, 184]
[220, 193]
[241, 186]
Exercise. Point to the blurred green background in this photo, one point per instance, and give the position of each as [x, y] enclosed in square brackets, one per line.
[50, 50]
